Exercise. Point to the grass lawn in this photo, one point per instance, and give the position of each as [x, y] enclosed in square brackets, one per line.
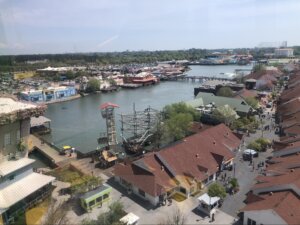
[76, 179]
[34, 215]
[178, 197]
[23, 75]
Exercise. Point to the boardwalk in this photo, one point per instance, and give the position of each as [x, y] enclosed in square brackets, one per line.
[48, 151]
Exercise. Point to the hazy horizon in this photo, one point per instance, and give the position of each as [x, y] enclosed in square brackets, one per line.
[58, 27]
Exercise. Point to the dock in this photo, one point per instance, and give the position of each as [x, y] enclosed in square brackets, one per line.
[203, 78]
[130, 85]
[50, 152]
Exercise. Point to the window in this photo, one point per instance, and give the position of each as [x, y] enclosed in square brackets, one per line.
[142, 193]
[11, 177]
[18, 135]
[7, 139]
[105, 196]
[251, 222]
[91, 203]
[99, 199]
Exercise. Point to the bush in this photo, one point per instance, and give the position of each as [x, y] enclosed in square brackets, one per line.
[264, 143]
[234, 183]
[216, 190]
[255, 146]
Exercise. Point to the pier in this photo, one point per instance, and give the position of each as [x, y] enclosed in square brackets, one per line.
[49, 151]
[201, 78]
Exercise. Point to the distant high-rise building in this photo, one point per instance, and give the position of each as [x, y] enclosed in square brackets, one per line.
[284, 52]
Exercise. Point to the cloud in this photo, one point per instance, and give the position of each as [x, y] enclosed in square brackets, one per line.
[109, 40]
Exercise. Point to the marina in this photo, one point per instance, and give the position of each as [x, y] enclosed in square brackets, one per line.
[72, 123]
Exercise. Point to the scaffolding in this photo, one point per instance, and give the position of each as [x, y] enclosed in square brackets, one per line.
[138, 127]
[107, 112]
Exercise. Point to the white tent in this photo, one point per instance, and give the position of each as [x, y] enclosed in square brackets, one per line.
[130, 219]
[207, 200]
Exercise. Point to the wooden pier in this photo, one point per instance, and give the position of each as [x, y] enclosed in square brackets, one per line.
[48, 151]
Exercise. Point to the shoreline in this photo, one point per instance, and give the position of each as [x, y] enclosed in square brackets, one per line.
[63, 100]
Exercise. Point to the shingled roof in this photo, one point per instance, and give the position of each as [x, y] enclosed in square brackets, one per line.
[197, 156]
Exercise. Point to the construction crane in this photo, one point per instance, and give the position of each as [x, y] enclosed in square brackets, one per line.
[138, 127]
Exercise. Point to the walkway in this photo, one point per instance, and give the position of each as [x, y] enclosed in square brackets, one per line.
[244, 172]
[48, 151]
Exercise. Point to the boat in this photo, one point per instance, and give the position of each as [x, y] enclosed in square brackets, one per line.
[144, 78]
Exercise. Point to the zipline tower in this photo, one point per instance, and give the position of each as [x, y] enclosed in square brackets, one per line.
[108, 113]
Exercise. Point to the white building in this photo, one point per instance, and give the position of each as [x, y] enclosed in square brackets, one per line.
[284, 52]
[20, 187]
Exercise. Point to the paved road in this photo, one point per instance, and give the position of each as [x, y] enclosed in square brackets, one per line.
[244, 172]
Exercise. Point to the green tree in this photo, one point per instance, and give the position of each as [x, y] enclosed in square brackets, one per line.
[234, 183]
[112, 217]
[93, 85]
[255, 146]
[216, 190]
[264, 143]
[225, 92]
[258, 68]
[178, 125]
[181, 107]
[252, 101]
[70, 75]
[225, 114]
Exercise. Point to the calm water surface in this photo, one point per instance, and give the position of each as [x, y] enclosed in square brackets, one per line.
[78, 122]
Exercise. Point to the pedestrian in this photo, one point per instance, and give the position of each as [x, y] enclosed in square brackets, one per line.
[253, 167]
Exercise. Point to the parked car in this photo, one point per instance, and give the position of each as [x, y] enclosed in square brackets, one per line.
[249, 154]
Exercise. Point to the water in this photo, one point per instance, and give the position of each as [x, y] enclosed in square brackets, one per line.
[79, 122]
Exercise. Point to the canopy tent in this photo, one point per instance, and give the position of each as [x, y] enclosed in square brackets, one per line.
[130, 219]
[207, 200]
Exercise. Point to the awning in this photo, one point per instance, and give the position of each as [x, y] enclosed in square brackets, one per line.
[67, 147]
[206, 199]
[38, 121]
[22, 188]
[129, 219]
[8, 167]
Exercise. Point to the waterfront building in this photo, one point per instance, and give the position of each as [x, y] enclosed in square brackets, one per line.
[209, 100]
[20, 186]
[183, 168]
[49, 94]
[284, 52]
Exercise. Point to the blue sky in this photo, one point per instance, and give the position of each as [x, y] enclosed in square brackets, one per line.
[60, 26]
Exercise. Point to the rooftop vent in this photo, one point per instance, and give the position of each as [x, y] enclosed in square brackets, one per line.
[162, 168]
[197, 155]
[292, 170]
[271, 193]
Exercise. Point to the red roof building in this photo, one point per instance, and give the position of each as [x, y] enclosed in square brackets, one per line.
[183, 167]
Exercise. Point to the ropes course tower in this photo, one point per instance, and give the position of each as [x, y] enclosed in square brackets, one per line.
[108, 113]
